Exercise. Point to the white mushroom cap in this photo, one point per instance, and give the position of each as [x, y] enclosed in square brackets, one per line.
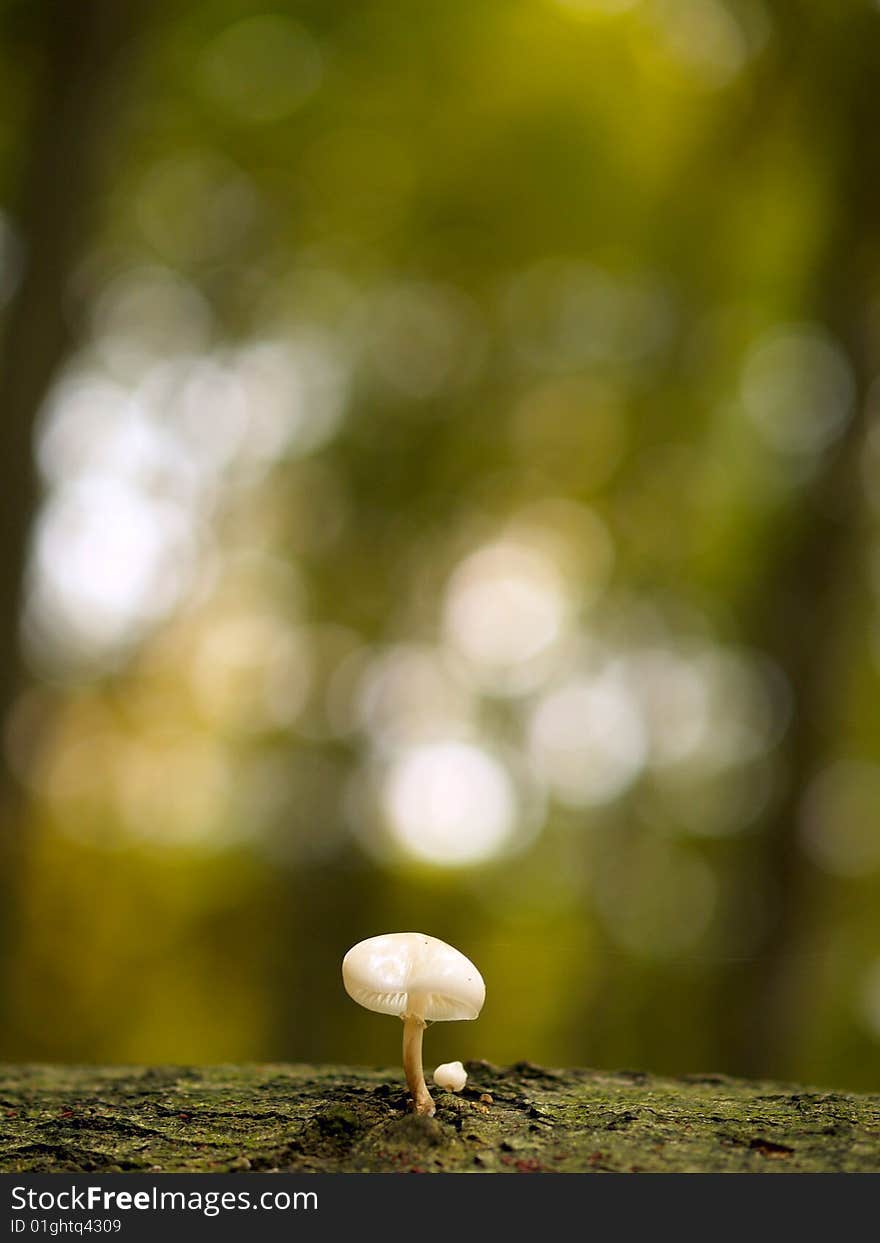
[451, 1075]
[411, 973]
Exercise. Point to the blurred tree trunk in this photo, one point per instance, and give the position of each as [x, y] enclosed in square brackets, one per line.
[812, 581]
[76, 49]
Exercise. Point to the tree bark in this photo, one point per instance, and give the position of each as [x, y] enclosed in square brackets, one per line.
[515, 1119]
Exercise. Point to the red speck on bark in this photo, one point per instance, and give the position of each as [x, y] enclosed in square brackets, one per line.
[530, 1166]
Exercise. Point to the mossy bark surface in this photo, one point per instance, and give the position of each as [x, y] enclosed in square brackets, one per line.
[516, 1119]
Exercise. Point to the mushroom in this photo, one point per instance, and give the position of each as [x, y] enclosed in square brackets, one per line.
[451, 1075]
[421, 980]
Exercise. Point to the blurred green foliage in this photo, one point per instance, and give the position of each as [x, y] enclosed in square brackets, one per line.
[458, 513]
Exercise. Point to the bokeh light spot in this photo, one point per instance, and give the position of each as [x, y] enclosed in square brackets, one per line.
[506, 606]
[407, 694]
[260, 69]
[797, 387]
[703, 37]
[251, 672]
[840, 818]
[450, 803]
[145, 315]
[109, 562]
[421, 340]
[587, 738]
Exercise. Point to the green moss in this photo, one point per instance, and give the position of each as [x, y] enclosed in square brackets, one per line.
[517, 1119]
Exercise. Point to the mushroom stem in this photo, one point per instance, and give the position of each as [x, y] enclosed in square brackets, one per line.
[413, 1027]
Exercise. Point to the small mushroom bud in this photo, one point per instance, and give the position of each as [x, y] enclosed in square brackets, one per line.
[421, 980]
[451, 1075]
